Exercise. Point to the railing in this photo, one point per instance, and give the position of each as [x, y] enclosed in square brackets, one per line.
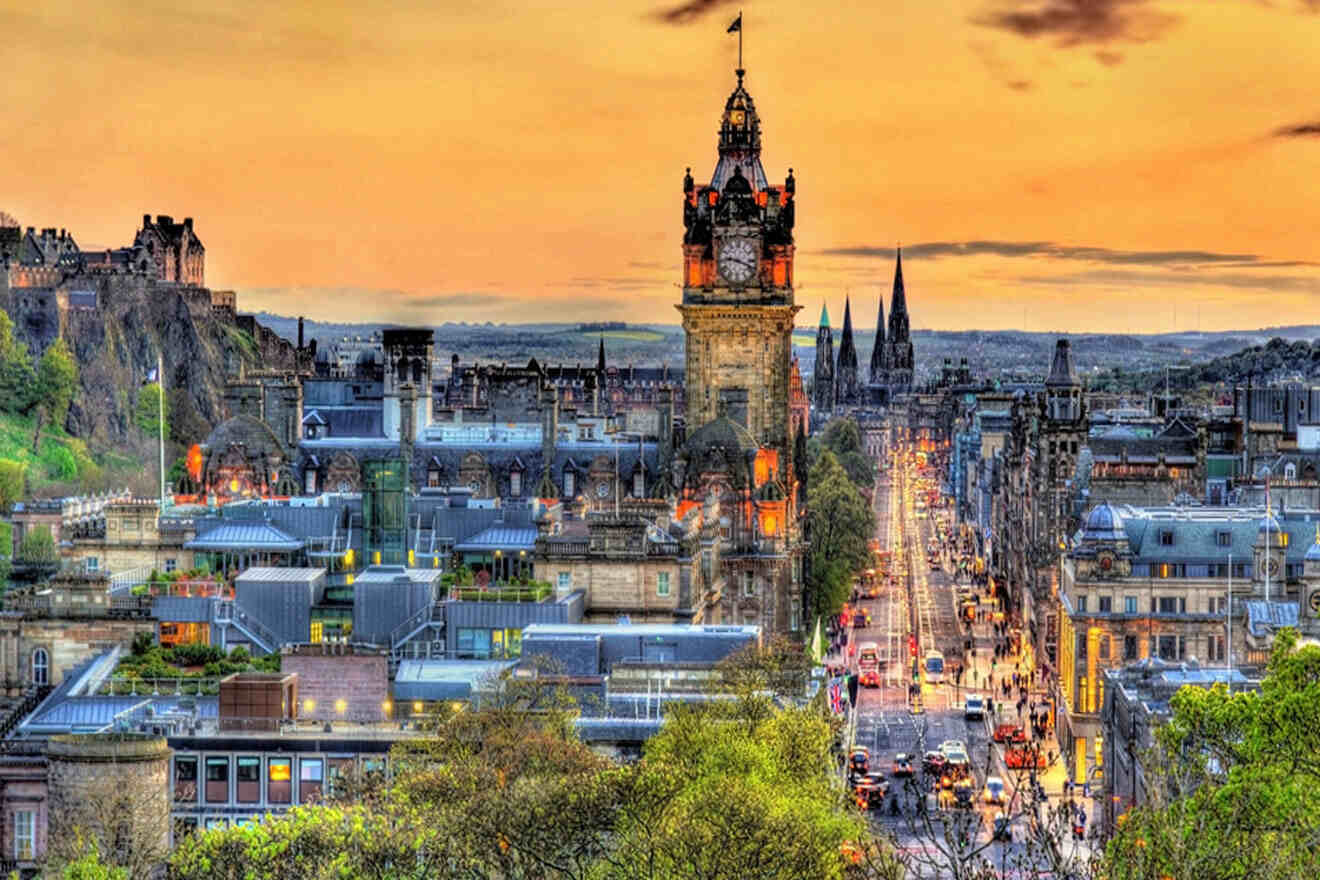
[567, 546]
[426, 615]
[19, 712]
[226, 611]
[501, 594]
[179, 686]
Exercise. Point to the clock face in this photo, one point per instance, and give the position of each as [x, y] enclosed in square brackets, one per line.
[1314, 602]
[1272, 567]
[602, 490]
[738, 260]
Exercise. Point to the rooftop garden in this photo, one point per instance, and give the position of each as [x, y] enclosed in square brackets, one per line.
[463, 584]
[187, 667]
[193, 582]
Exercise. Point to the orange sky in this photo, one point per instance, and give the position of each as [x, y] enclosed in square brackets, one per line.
[1121, 162]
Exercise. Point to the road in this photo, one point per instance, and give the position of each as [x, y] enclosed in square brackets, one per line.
[923, 600]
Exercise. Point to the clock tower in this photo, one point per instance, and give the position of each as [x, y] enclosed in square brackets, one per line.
[737, 307]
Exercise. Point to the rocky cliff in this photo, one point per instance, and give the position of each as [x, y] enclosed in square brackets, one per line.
[117, 325]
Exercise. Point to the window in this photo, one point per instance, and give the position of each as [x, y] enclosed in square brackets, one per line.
[639, 484]
[171, 564]
[279, 780]
[1104, 647]
[1223, 539]
[749, 583]
[473, 643]
[565, 580]
[1167, 605]
[93, 563]
[1283, 539]
[217, 780]
[662, 584]
[25, 835]
[1106, 604]
[1166, 538]
[248, 780]
[1167, 647]
[568, 484]
[310, 772]
[185, 779]
[309, 482]
[1129, 604]
[515, 484]
[794, 620]
[1081, 604]
[1129, 647]
[337, 770]
[40, 667]
[1081, 646]
[184, 826]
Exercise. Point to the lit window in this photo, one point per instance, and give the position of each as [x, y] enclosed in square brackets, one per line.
[279, 780]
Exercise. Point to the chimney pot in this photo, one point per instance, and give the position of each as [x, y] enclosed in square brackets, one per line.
[146, 220]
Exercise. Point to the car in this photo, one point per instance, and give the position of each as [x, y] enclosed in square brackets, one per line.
[1010, 733]
[902, 764]
[956, 759]
[974, 707]
[1023, 758]
[870, 791]
[869, 678]
[933, 763]
[859, 620]
[964, 792]
[953, 744]
[935, 565]
[994, 790]
[859, 760]
[1002, 828]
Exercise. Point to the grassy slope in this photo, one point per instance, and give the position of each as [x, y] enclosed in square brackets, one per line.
[16, 445]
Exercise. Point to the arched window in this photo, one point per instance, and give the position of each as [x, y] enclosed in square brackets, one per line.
[40, 666]
[1290, 471]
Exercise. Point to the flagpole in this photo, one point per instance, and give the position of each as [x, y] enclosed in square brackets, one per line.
[160, 413]
[740, 32]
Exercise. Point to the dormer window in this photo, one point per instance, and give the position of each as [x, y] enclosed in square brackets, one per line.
[568, 484]
[639, 484]
[515, 483]
[1166, 538]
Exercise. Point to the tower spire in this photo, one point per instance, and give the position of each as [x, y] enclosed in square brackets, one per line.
[600, 356]
[847, 388]
[878, 350]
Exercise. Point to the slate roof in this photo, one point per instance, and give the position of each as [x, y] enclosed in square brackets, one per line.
[1196, 530]
[499, 538]
[1265, 617]
[445, 679]
[244, 536]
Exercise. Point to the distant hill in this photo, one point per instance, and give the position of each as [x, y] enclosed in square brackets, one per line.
[991, 353]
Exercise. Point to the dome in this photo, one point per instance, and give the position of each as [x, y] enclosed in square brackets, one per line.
[1104, 523]
[723, 433]
[253, 435]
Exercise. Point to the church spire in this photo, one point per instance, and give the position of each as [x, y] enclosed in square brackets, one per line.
[600, 356]
[847, 390]
[899, 303]
[878, 350]
[824, 316]
[899, 358]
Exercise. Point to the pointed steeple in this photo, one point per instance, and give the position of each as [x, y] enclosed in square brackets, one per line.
[878, 350]
[600, 357]
[847, 390]
[899, 303]
[1061, 369]
[824, 316]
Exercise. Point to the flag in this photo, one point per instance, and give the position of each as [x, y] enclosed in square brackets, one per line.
[736, 26]
[152, 375]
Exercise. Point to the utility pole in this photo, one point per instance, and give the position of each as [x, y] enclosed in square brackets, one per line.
[160, 413]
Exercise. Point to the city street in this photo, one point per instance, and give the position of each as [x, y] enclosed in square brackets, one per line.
[921, 600]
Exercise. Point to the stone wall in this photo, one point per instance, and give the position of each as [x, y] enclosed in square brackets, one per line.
[618, 586]
[66, 642]
[330, 673]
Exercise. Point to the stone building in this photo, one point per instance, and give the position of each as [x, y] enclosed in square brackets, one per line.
[129, 534]
[738, 313]
[1156, 582]
[175, 251]
[1130, 466]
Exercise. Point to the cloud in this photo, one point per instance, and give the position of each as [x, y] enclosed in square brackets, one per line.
[1305, 129]
[1108, 58]
[1045, 250]
[1075, 22]
[1124, 278]
[688, 12]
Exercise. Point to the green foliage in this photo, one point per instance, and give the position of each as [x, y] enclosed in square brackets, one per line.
[59, 462]
[13, 482]
[17, 377]
[1232, 781]
[843, 437]
[840, 525]
[146, 411]
[87, 866]
[57, 379]
[37, 547]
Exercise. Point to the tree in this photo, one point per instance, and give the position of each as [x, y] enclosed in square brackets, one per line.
[841, 524]
[1231, 781]
[87, 865]
[116, 822]
[37, 547]
[843, 437]
[13, 482]
[57, 379]
[146, 412]
[17, 378]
